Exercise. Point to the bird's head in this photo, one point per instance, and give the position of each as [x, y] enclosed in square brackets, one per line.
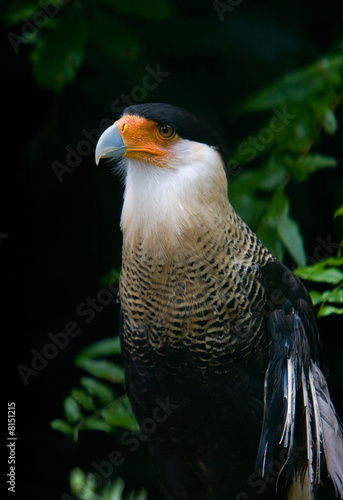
[173, 165]
[158, 134]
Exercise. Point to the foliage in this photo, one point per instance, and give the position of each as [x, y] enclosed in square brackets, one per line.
[300, 107]
[96, 405]
[83, 486]
[327, 271]
[59, 33]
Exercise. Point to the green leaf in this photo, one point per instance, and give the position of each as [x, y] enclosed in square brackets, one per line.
[327, 310]
[245, 196]
[330, 122]
[286, 228]
[142, 495]
[119, 414]
[104, 347]
[302, 167]
[78, 480]
[112, 276]
[278, 207]
[333, 261]
[83, 399]
[83, 485]
[117, 490]
[20, 10]
[300, 86]
[338, 212]
[320, 274]
[72, 409]
[316, 297]
[290, 236]
[272, 175]
[102, 368]
[60, 51]
[62, 426]
[247, 205]
[93, 423]
[268, 234]
[99, 390]
[332, 296]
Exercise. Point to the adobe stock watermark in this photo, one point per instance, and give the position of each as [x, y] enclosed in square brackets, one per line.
[47, 10]
[132, 440]
[324, 249]
[85, 147]
[259, 484]
[223, 8]
[277, 297]
[57, 342]
[252, 145]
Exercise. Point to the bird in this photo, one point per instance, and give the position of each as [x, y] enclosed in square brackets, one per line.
[220, 345]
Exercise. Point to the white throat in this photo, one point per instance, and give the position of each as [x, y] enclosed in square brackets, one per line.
[164, 201]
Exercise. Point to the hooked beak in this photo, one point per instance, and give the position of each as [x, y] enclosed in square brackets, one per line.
[110, 144]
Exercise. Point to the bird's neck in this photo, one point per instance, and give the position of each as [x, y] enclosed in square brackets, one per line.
[163, 210]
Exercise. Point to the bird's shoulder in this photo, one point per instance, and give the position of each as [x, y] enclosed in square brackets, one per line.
[287, 299]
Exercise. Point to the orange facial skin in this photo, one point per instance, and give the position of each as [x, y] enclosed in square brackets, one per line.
[146, 140]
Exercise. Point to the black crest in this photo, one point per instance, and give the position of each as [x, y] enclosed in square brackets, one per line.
[186, 125]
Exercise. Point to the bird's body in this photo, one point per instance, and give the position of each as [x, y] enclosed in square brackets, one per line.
[214, 329]
[190, 337]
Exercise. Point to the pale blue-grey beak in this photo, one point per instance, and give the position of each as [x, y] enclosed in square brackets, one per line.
[110, 144]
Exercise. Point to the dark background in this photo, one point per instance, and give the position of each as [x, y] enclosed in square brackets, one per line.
[59, 238]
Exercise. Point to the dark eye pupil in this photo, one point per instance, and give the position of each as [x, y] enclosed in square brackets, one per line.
[166, 130]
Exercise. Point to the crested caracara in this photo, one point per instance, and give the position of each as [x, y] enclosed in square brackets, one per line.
[219, 339]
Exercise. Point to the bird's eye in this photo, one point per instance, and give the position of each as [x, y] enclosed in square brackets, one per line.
[166, 131]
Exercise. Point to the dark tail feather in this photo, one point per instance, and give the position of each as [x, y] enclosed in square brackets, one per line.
[298, 412]
[328, 428]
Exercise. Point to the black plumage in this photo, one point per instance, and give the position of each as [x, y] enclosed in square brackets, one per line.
[215, 328]
[186, 124]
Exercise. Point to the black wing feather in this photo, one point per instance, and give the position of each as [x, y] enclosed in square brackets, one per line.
[299, 422]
